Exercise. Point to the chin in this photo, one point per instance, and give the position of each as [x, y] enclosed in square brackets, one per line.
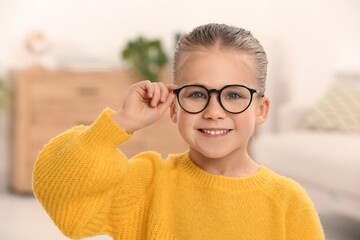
[211, 153]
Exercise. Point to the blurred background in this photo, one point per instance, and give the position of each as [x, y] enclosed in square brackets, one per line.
[62, 62]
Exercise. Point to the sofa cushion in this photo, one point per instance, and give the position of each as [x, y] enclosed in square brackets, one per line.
[338, 109]
[326, 159]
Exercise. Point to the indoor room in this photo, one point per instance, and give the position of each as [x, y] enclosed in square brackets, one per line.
[63, 62]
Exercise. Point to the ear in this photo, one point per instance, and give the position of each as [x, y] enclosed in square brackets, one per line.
[173, 111]
[263, 110]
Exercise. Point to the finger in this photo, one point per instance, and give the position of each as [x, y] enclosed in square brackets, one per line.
[156, 95]
[149, 88]
[164, 92]
[170, 97]
[172, 87]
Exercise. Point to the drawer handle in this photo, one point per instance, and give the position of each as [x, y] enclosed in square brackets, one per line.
[84, 123]
[87, 91]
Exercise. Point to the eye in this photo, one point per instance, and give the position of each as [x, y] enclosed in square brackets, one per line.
[197, 95]
[233, 95]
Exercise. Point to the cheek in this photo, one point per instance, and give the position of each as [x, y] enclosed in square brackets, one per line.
[185, 125]
[246, 121]
[185, 121]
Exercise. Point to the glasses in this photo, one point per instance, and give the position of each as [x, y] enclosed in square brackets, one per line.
[233, 98]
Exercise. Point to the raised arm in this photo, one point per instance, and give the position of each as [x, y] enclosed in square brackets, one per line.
[79, 173]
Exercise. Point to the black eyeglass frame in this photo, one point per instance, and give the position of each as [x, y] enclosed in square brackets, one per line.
[218, 91]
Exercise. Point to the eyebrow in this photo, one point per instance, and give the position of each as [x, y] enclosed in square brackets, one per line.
[206, 86]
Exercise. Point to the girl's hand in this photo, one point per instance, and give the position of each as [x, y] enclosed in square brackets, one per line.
[144, 104]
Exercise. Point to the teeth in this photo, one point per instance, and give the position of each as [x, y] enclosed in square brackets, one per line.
[213, 132]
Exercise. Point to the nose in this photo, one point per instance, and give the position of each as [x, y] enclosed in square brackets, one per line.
[214, 110]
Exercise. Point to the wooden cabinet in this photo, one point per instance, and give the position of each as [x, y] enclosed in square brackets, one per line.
[46, 103]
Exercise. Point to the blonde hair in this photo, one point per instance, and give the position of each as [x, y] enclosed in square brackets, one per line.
[220, 35]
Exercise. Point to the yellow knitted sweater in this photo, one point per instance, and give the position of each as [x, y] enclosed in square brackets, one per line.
[88, 187]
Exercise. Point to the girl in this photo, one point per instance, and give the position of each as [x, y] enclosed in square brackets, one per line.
[212, 191]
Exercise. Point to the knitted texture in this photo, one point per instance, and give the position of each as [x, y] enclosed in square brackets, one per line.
[88, 187]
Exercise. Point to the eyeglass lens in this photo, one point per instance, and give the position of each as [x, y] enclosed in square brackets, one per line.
[233, 98]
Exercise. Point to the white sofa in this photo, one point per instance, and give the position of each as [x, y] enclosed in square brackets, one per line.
[325, 163]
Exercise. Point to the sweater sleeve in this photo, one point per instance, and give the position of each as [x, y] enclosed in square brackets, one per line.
[301, 218]
[78, 173]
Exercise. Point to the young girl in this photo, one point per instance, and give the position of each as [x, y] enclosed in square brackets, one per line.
[212, 191]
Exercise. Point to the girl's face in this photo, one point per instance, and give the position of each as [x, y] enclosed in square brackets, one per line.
[214, 69]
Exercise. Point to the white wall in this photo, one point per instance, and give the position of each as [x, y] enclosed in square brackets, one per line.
[306, 41]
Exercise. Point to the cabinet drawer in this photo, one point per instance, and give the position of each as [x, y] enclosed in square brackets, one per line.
[75, 89]
[73, 101]
[77, 113]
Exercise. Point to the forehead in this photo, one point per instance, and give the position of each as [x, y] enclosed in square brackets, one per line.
[218, 67]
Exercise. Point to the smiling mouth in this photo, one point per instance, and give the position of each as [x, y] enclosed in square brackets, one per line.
[215, 132]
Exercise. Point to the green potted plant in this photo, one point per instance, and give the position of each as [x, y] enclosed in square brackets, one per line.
[4, 95]
[146, 57]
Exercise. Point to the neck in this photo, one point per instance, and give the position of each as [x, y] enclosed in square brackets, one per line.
[235, 164]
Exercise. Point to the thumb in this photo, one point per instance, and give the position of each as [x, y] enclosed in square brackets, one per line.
[170, 98]
[171, 95]
[172, 87]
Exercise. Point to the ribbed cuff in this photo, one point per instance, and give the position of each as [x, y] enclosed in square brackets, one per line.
[104, 132]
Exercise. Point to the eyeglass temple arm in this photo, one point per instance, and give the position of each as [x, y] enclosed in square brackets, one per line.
[260, 93]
